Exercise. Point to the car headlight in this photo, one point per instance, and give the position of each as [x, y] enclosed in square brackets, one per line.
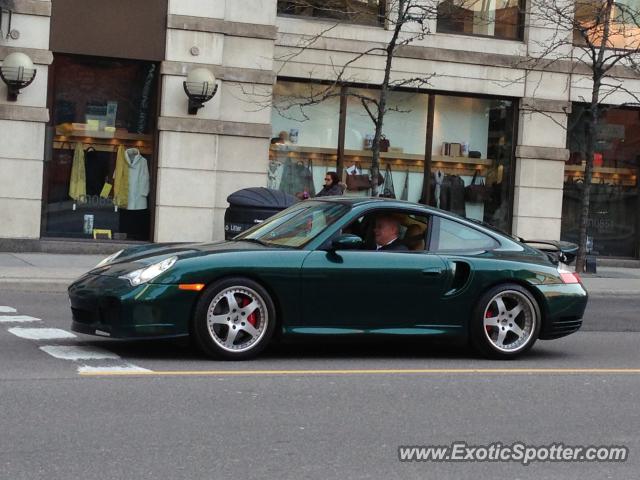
[109, 259]
[146, 274]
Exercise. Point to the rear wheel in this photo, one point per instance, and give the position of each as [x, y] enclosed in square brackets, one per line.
[506, 322]
[234, 319]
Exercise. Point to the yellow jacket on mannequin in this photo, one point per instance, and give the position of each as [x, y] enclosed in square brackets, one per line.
[121, 180]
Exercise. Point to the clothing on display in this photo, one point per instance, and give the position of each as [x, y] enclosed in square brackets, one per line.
[97, 169]
[452, 194]
[297, 179]
[138, 185]
[121, 180]
[405, 189]
[78, 182]
[439, 178]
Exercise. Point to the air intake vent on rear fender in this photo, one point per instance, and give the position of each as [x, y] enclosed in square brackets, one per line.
[461, 271]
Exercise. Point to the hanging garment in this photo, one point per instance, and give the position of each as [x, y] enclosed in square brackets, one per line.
[96, 169]
[452, 194]
[405, 189]
[121, 180]
[78, 181]
[439, 178]
[297, 179]
[138, 179]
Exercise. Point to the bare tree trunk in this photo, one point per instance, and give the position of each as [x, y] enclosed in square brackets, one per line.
[382, 101]
[591, 128]
[598, 72]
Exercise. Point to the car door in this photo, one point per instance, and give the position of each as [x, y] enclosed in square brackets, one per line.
[354, 291]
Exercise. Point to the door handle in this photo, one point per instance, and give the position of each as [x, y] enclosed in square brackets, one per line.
[432, 272]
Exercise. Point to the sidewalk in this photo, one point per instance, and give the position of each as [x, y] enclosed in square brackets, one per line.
[54, 272]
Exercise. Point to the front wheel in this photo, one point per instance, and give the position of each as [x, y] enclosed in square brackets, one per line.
[506, 322]
[234, 319]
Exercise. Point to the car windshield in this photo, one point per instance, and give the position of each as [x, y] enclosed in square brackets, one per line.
[297, 225]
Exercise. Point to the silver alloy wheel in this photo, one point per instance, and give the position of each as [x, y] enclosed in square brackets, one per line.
[510, 319]
[237, 318]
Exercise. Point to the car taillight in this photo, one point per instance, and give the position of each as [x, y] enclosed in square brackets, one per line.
[569, 277]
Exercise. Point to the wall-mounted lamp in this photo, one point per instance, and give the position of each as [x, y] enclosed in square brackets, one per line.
[17, 71]
[200, 87]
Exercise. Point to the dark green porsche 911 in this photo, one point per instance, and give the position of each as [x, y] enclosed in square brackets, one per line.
[446, 276]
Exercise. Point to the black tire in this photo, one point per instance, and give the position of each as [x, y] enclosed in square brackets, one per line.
[217, 319]
[498, 330]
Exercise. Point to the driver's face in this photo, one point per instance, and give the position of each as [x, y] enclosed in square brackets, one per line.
[385, 231]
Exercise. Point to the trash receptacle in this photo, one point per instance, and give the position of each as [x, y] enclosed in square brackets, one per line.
[250, 206]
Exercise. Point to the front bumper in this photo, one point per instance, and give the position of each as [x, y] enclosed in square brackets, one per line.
[565, 306]
[110, 306]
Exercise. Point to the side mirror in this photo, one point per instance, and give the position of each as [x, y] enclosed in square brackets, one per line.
[347, 242]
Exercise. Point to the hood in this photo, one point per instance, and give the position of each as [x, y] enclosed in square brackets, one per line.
[132, 156]
[138, 257]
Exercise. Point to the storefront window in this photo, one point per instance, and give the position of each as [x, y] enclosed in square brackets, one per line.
[493, 18]
[623, 28]
[305, 137]
[614, 201]
[100, 158]
[472, 158]
[365, 12]
[471, 149]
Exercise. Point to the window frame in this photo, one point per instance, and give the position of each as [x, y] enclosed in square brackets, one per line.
[380, 23]
[522, 4]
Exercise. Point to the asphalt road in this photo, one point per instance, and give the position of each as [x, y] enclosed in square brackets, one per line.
[231, 421]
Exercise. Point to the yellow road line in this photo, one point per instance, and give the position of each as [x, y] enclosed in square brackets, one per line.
[427, 371]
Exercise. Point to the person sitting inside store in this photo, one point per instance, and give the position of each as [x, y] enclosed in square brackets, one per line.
[387, 233]
[332, 186]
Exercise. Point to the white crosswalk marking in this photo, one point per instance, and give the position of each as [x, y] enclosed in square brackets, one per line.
[4, 309]
[78, 352]
[112, 369]
[41, 333]
[18, 319]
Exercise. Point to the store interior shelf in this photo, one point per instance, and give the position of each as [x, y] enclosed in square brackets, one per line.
[121, 136]
[398, 160]
[601, 170]
[84, 135]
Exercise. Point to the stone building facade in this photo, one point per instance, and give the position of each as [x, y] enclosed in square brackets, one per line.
[196, 161]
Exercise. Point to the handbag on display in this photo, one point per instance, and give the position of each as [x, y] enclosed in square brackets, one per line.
[389, 190]
[384, 144]
[358, 182]
[477, 191]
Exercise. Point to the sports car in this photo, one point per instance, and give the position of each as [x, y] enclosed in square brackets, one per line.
[314, 269]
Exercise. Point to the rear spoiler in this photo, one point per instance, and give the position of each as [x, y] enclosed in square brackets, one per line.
[557, 250]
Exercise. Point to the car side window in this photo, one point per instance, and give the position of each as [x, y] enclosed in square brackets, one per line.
[451, 235]
[412, 229]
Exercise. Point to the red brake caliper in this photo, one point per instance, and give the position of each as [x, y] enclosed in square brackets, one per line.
[252, 316]
[488, 315]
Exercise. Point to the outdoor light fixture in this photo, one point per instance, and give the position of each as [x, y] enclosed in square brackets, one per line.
[17, 71]
[200, 87]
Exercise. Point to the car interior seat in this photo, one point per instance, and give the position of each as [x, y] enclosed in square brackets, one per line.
[414, 237]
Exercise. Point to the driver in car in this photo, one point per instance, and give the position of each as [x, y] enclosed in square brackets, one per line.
[387, 232]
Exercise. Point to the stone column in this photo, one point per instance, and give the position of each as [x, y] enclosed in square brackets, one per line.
[540, 157]
[23, 124]
[203, 158]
